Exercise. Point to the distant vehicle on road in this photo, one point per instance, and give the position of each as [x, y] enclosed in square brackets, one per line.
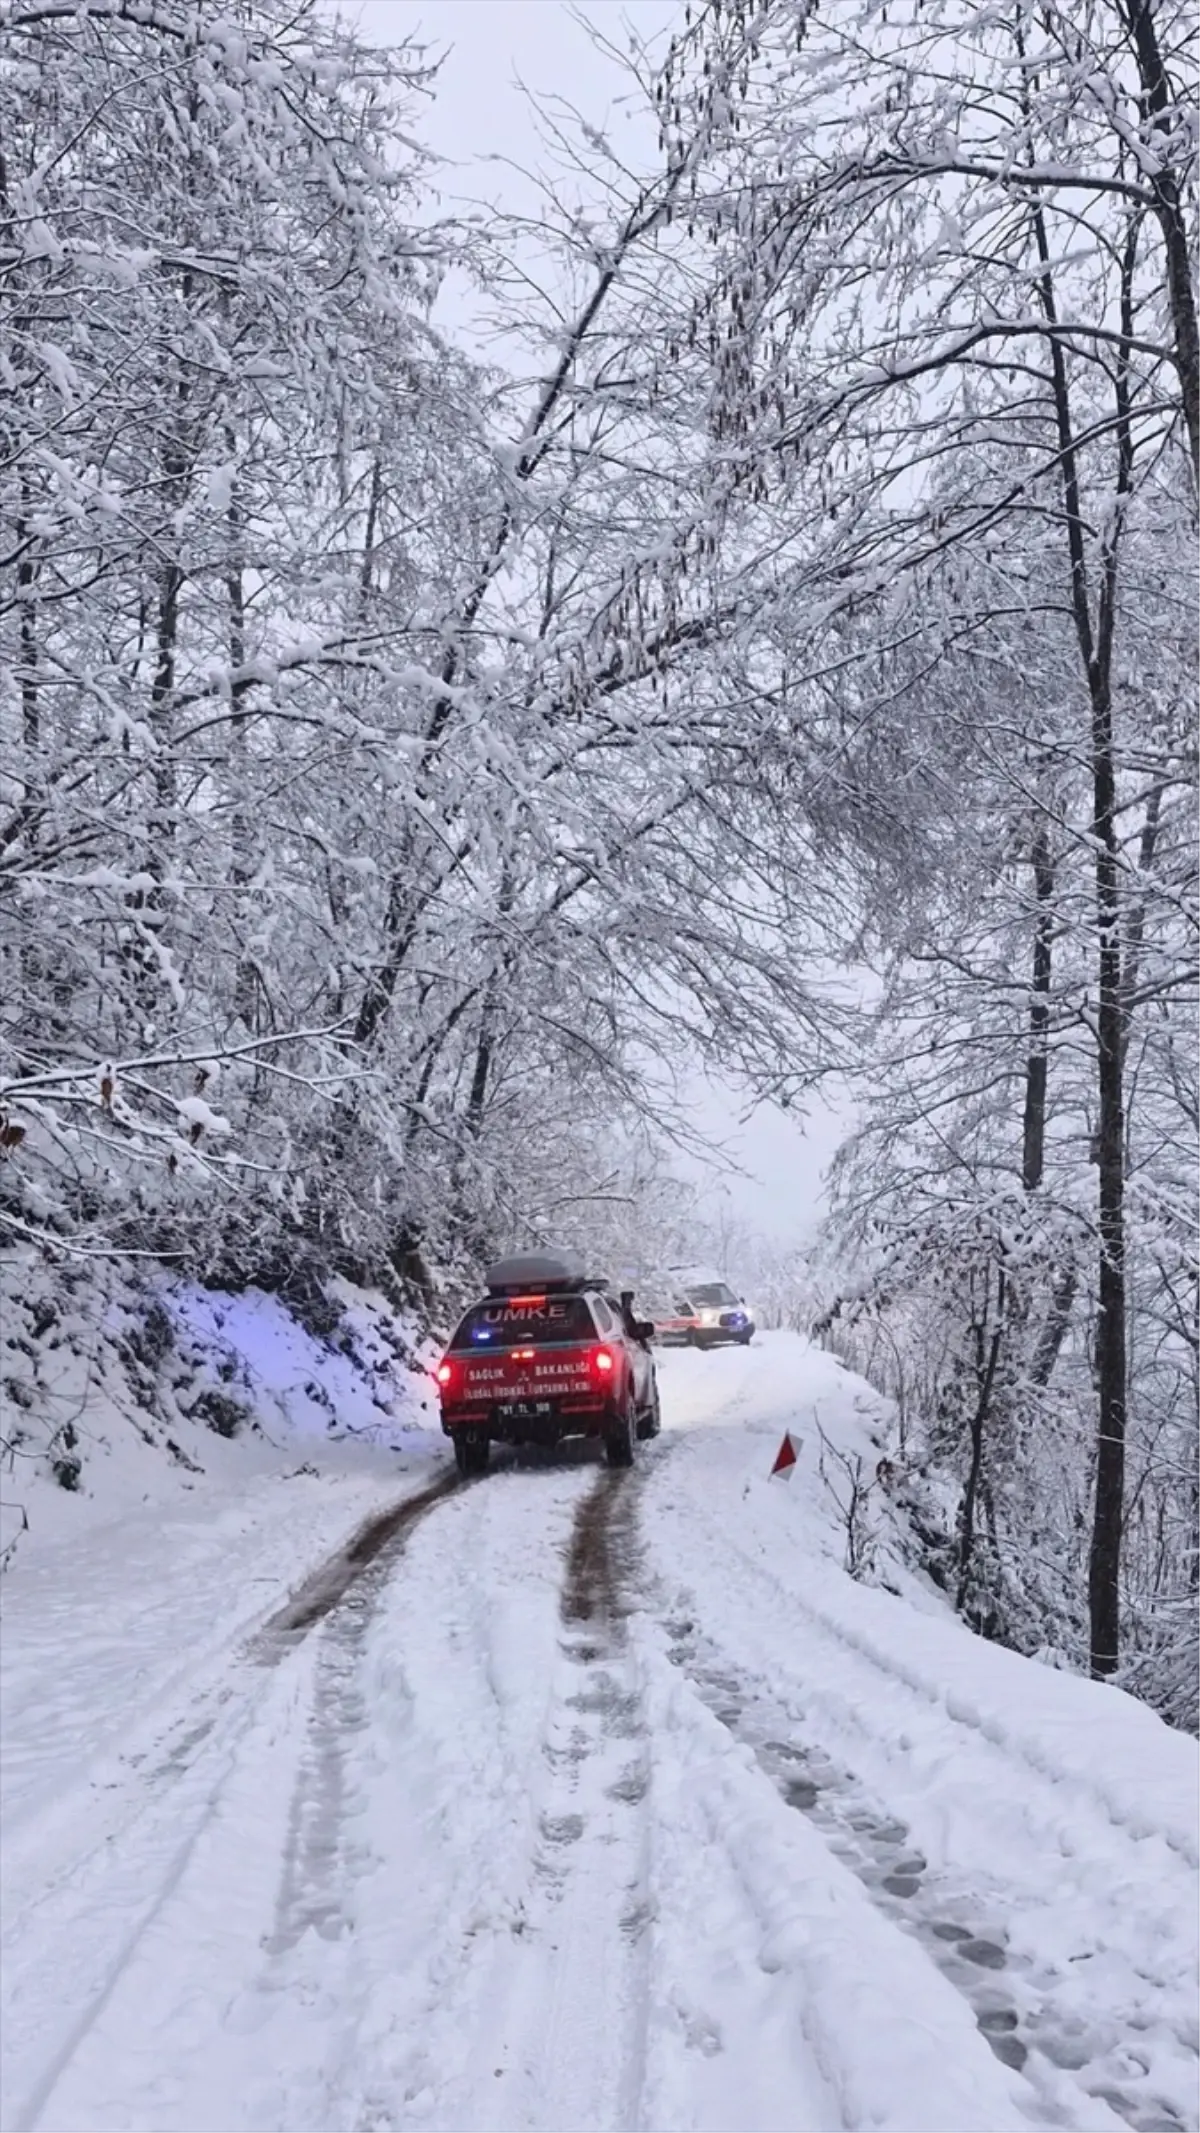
[702, 1311]
[548, 1353]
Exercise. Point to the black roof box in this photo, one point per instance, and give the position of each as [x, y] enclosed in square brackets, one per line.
[523, 1273]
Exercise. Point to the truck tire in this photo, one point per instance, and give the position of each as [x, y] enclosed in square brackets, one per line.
[650, 1420]
[618, 1442]
[472, 1449]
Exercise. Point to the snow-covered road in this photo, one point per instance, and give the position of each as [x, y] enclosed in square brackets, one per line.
[574, 1802]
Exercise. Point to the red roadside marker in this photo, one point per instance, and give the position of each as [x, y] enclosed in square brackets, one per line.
[785, 1458]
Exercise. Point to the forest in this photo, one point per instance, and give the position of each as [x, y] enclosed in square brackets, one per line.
[413, 768]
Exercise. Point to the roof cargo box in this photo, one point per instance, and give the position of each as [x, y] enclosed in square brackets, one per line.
[525, 1272]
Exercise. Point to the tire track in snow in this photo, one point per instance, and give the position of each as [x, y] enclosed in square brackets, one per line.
[133, 1882]
[381, 1536]
[565, 2028]
[45, 1857]
[598, 2013]
[341, 1596]
[404, 1923]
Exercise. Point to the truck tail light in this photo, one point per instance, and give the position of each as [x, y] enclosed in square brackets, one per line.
[603, 1360]
[445, 1373]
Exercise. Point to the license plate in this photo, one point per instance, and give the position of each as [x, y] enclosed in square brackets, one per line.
[525, 1410]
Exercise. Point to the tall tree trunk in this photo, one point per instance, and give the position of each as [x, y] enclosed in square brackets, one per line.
[986, 1361]
[241, 835]
[1104, 1577]
[147, 949]
[1105, 1563]
[1033, 1138]
[1157, 104]
[1135, 929]
[29, 679]
[1095, 646]
[162, 824]
[1194, 1577]
[477, 1094]
[370, 535]
[27, 571]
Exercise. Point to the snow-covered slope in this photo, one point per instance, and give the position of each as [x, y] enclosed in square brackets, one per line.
[175, 1395]
[574, 1799]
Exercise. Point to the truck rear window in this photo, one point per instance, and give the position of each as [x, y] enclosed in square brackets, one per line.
[525, 1321]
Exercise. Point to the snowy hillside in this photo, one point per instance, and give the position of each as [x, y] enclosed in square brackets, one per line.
[367, 1800]
[118, 1396]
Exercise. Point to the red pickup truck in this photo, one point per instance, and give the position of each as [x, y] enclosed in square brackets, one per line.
[547, 1354]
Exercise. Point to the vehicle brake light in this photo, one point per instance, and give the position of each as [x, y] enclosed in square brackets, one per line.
[445, 1373]
[603, 1359]
[522, 1355]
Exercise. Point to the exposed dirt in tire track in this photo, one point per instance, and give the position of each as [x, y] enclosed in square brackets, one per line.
[602, 1552]
[605, 1577]
[331, 1581]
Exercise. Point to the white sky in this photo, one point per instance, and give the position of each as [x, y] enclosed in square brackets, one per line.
[493, 44]
[482, 126]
